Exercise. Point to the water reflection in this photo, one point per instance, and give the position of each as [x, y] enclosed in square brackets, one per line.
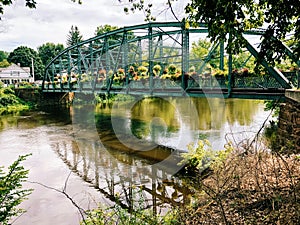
[32, 119]
[116, 147]
[120, 146]
[175, 122]
[116, 175]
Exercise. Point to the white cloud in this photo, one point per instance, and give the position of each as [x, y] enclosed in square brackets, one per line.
[52, 20]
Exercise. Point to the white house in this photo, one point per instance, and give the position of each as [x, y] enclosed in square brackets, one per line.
[15, 74]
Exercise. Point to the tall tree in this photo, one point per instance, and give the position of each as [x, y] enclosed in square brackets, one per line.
[200, 50]
[107, 28]
[4, 63]
[112, 38]
[74, 36]
[48, 51]
[25, 56]
[104, 29]
[228, 19]
[3, 55]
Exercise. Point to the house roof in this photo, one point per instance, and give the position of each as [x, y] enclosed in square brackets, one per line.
[15, 71]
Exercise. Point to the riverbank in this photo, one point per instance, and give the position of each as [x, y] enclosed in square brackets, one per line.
[259, 187]
[10, 103]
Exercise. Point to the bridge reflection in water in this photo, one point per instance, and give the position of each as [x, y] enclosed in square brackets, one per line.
[102, 152]
[122, 175]
[118, 175]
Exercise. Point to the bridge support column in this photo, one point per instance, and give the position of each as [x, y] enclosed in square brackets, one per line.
[42, 99]
[125, 61]
[289, 123]
[230, 76]
[185, 56]
[222, 50]
[150, 58]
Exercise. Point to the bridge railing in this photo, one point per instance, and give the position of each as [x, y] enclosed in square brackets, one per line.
[148, 58]
[192, 81]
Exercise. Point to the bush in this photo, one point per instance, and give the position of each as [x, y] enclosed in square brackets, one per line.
[11, 191]
[255, 188]
[136, 214]
[201, 157]
[9, 102]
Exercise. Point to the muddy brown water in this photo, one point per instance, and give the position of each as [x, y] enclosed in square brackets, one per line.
[96, 153]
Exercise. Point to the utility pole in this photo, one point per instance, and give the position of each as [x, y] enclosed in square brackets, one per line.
[32, 69]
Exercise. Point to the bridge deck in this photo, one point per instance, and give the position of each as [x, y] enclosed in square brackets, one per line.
[207, 92]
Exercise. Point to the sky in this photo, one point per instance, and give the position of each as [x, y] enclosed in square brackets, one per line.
[51, 20]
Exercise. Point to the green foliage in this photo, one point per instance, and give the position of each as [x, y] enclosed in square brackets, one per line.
[8, 97]
[11, 190]
[3, 55]
[112, 39]
[272, 105]
[29, 4]
[201, 156]
[224, 17]
[4, 63]
[74, 36]
[243, 60]
[138, 215]
[199, 50]
[9, 102]
[271, 135]
[104, 29]
[25, 55]
[48, 51]
[27, 85]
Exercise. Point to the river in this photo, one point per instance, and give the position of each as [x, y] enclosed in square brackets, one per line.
[97, 153]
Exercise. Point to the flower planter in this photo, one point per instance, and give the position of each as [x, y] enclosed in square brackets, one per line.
[146, 83]
[136, 84]
[100, 84]
[74, 86]
[157, 83]
[85, 85]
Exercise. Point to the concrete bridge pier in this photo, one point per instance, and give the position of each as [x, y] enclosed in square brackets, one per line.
[289, 123]
[41, 98]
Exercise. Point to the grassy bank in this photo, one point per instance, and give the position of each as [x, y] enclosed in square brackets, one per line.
[10, 103]
[252, 187]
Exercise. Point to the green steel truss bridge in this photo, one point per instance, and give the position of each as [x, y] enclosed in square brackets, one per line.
[155, 59]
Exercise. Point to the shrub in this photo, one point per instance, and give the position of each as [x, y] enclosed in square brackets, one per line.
[138, 214]
[9, 102]
[11, 190]
[201, 157]
[254, 188]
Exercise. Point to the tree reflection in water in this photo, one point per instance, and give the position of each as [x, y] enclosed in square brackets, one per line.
[107, 146]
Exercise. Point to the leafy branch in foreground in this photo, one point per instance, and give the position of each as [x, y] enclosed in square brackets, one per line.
[224, 17]
[11, 190]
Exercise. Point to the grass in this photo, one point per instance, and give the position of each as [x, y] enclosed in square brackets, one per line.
[10, 103]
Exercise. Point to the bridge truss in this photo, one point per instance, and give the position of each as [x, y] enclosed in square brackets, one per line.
[155, 59]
